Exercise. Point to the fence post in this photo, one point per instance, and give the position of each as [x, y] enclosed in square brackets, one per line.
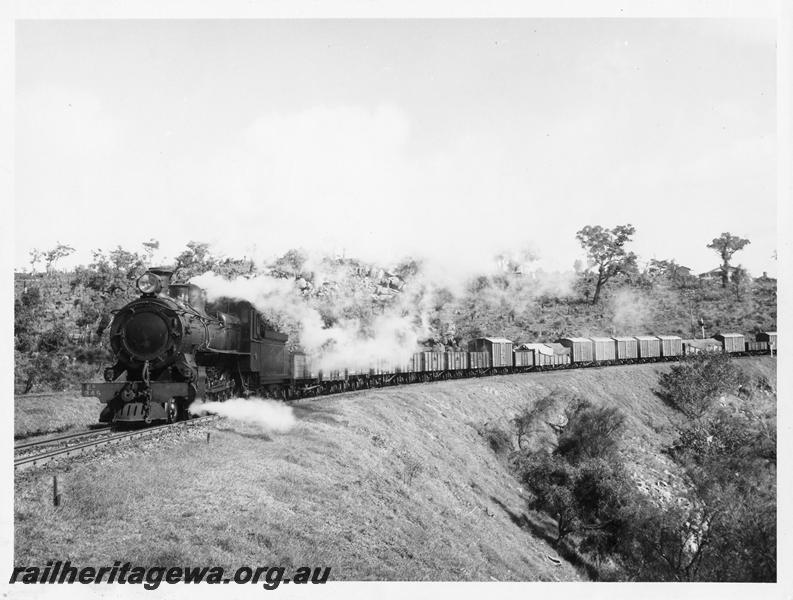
[56, 496]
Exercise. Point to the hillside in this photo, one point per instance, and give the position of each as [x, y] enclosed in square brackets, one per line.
[509, 307]
[391, 484]
[61, 319]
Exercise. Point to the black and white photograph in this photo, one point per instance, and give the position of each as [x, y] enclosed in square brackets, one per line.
[307, 299]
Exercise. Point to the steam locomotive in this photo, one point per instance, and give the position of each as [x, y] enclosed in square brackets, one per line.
[172, 347]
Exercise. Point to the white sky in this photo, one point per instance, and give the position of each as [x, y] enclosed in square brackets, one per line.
[557, 123]
[446, 139]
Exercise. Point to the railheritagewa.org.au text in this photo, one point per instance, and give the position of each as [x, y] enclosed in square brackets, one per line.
[59, 572]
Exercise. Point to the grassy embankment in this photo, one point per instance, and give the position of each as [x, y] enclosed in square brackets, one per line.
[392, 484]
[53, 413]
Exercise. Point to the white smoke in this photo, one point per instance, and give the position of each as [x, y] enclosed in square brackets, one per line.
[268, 415]
[515, 292]
[349, 342]
[632, 313]
[348, 314]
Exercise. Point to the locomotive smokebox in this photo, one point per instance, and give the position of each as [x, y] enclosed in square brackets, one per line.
[151, 329]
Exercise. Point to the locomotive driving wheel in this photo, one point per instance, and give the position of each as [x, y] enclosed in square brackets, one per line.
[220, 384]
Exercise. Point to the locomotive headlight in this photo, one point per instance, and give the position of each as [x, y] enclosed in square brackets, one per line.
[148, 283]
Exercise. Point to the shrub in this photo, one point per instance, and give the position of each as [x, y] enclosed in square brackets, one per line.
[551, 479]
[696, 382]
[662, 544]
[578, 484]
[94, 355]
[591, 432]
[49, 371]
[722, 528]
[587, 497]
[733, 486]
[499, 440]
[602, 491]
[53, 339]
[533, 417]
[741, 538]
[720, 438]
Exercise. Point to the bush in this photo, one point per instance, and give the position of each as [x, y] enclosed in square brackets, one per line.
[591, 432]
[587, 497]
[722, 528]
[661, 544]
[552, 479]
[602, 492]
[696, 382]
[534, 417]
[719, 439]
[578, 483]
[53, 339]
[741, 538]
[499, 440]
[93, 355]
[49, 371]
[733, 485]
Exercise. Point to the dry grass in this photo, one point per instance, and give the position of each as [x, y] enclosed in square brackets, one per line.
[52, 413]
[393, 484]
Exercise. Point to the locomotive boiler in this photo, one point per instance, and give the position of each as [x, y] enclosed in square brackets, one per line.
[172, 347]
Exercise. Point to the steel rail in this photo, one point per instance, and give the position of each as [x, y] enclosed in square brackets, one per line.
[61, 438]
[41, 458]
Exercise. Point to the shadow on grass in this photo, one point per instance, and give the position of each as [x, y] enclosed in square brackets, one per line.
[563, 548]
[42, 432]
[666, 399]
[261, 436]
[316, 412]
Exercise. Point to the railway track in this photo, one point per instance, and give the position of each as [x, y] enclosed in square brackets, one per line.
[40, 452]
[331, 387]
[61, 439]
[36, 453]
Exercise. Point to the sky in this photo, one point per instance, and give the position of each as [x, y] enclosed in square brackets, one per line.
[445, 140]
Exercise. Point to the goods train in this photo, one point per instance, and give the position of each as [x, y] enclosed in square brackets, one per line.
[172, 347]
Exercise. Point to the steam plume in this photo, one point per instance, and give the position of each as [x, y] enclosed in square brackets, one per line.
[632, 312]
[268, 415]
[348, 342]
